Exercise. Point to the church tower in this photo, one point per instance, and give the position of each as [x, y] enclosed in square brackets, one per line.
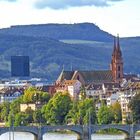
[117, 61]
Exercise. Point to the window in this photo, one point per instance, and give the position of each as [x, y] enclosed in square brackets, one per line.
[119, 75]
[78, 77]
[119, 68]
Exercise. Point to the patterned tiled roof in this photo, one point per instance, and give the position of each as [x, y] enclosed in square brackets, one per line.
[65, 75]
[102, 76]
[97, 76]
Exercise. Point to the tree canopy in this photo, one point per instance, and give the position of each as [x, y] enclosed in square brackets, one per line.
[135, 108]
[57, 108]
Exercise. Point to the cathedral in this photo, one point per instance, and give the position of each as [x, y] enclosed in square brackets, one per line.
[113, 75]
[117, 62]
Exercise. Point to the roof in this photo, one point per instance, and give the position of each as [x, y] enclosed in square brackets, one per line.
[94, 86]
[98, 76]
[111, 86]
[132, 85]
[65, 75]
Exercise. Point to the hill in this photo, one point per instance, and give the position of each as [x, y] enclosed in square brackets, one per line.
[48, 54]
[81, 31]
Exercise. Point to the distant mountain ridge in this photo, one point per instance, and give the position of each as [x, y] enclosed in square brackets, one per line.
[81, 31]
[84, 46]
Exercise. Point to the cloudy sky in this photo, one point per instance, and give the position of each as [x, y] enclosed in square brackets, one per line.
[113, 16]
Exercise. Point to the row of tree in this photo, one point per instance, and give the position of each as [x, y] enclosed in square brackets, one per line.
[61, 109]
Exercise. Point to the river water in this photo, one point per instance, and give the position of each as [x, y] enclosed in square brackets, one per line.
[58, 136]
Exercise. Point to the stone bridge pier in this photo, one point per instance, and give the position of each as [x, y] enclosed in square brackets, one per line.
[131, 134]
[86, 134]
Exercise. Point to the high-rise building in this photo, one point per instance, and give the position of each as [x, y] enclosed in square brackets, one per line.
[20, 66]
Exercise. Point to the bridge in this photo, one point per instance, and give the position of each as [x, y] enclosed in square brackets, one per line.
[83, 132]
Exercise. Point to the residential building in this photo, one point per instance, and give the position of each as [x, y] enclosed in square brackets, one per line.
[72, 86]
[94, 90]
[112, 99]
[125, 96]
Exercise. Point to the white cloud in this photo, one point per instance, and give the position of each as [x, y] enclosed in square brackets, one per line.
[62, 4]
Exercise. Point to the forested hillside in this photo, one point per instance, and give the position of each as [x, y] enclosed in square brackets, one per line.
[81, 46]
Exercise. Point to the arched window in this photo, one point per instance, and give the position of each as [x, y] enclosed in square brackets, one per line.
[119, 68]
[78, 77]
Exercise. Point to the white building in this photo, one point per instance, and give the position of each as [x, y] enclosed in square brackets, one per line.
[72, 86]
[8, 97]
[94, 90]
[112, 99]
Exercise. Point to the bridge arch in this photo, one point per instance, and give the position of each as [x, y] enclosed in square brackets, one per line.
[32, 130]
[136, 128]
[76, 129]
[124, 128]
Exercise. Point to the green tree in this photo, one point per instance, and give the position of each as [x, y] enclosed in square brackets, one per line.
[29, 115]
[37, 117]
[80, 111]
[57, 108]
[44, 97]
[116, 109]
[29, 94]
[11, 119]
[20, 119]
[73, 114]
[5, 111]
[82, 93]
[105, 115]
[32, 95]
[86, 108]
[135, 108]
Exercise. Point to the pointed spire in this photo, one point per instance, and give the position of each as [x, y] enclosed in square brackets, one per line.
[118, 42]
[118, 45]
[114, 49]
[114, 44]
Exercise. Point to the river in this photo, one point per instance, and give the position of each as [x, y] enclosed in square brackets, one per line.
[58, 136]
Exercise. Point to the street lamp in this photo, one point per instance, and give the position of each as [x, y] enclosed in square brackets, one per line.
[11, 128]
[89, 125]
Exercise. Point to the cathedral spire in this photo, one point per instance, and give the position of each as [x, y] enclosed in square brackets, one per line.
[118, 42]
[117, 61]
[118, 46]
[114, 45]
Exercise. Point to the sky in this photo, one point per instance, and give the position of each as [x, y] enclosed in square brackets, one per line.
[113, 16]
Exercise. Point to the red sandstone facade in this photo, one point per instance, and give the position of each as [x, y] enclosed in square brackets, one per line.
[117, 62]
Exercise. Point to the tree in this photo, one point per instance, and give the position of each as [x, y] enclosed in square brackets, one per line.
[105, 115]
[57, 108]
[116, 109]
[37, 117]
[20, 119]
[29, 115]
[32, 95]
[80, 111]
[82, 93]
[135, 108]
[29, 94]
[44, 97]
[73, 114]
[5, 111]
